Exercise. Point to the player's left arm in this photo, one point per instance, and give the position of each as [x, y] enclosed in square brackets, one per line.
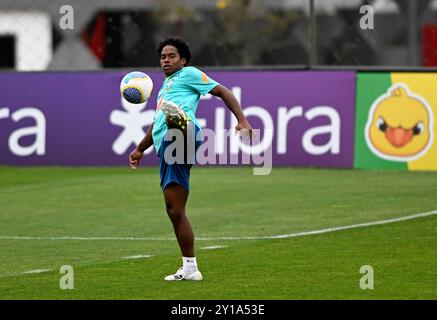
[232, 103]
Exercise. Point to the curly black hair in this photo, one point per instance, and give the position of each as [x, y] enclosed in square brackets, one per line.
[179, 44]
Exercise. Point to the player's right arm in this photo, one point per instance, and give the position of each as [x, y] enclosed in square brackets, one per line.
[136, 155]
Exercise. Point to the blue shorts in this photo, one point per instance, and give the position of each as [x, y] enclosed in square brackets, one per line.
[175, 165]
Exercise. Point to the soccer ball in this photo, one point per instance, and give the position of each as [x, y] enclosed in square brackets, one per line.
[136, 87]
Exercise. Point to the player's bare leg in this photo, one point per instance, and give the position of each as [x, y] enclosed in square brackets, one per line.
[175, 200]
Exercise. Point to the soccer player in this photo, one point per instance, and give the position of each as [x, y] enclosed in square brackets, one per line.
[178, 99]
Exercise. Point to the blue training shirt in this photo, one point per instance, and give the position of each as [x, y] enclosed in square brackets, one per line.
[183, 88]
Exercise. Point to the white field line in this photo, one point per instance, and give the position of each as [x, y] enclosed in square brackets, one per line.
[140, 256]
[213, 247]
[281, 236]
[37, 271]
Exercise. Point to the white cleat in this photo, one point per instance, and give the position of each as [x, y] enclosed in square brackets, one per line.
[174, 114]
[182, 275]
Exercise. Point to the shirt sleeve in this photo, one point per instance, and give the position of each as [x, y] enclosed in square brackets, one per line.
[199, 81]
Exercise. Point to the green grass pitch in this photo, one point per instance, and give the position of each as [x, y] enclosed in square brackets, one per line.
[42, 208]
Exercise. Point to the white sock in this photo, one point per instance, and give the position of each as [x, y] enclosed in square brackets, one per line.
[189, 264]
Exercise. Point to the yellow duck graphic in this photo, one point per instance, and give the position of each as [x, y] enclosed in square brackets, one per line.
[400, 125]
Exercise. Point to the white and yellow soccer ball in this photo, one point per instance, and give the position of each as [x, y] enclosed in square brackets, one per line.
[136, 87]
